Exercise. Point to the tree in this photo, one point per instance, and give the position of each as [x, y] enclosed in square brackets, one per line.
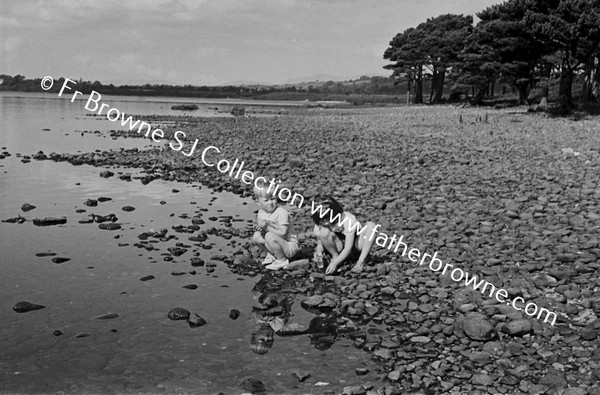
[570, 29]
[406, 51]
[434, 46]
[503, 45]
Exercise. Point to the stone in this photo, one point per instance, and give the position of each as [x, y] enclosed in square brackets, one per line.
[24, 307]
[482, 379]
[313, 301]
[106, 174]
[178, 313]
[253, 385]
[49, 221]
[518, 327]
[354, 390]
[554, 379]
[477, 327]
[109, 316]
[60, 259]
[27, 207]
[301, 375]
[234, 314]
[196, 321]
[420, 339]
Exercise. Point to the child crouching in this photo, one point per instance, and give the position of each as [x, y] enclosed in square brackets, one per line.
[274, 230]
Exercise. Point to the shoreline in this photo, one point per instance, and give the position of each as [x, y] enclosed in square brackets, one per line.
[449, 180]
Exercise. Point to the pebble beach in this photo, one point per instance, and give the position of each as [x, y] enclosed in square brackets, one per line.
[505, 194]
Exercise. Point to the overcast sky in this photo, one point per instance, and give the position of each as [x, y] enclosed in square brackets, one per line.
[207, 42]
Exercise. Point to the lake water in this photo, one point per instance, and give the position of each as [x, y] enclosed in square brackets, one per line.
[140, 350]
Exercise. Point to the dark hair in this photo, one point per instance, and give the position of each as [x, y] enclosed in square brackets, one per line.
[262, 340]
[331, 209]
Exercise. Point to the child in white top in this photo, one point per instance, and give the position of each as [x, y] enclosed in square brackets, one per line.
[274, 230]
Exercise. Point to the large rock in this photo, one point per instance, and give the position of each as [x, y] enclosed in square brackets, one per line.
[477, 327]
[49, 221]
[518, 327]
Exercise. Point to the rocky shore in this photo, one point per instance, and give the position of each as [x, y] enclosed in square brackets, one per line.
[513, 197]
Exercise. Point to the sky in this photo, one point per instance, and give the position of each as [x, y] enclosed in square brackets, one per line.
[208, 42]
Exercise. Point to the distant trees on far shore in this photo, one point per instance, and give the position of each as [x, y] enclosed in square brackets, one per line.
[548, 45]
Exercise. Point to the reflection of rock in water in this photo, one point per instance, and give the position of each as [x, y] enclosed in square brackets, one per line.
[323, 332]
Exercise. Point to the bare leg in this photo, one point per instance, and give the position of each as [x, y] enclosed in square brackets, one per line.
[260, 241]
[365, 244]
[331, 242]
[275, 244]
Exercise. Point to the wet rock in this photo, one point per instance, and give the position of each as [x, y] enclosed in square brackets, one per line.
[104, 199]
[293, 329]
[27, 207]
[190, 286]
[44, 254]
[301, 375]
[252, 385]
[60, 259]
[234, 314]
[109, 316]
[147, 278]
[24, 307]
[196, 321]
[128, 208]
[106, 174]
[49, 221]
[197, 262]
[15, 220]
[109, 226]
[91, 203]
[178, 313]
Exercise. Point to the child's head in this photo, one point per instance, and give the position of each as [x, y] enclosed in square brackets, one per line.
[266, 199]
[331, 209]
[262, 340]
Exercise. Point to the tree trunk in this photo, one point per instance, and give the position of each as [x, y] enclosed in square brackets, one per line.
[588, 82]
[439, 85]
[419, 86]
[565, 99]
[434, 78]
[492, 87]
[523, 93]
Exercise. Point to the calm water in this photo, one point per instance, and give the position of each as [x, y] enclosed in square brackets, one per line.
[141, 350]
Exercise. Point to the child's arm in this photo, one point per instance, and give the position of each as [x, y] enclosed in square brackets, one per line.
[280, 228]
[348, 243]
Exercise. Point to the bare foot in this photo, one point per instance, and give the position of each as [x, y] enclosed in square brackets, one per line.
[357, 268]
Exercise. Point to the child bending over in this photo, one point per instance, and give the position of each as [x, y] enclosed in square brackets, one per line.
[344, 239]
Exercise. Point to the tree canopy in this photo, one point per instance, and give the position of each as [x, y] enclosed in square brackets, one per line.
[520, 42]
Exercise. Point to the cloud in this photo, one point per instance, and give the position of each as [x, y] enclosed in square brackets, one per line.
[133, 64]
